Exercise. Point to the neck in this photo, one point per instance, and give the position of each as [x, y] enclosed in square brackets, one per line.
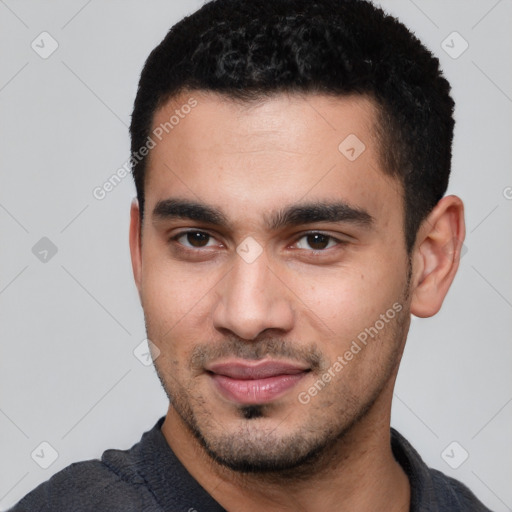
[358, 473]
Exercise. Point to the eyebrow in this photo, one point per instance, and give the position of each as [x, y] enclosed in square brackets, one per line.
[310, 213]
[293, 215]
[168, 209]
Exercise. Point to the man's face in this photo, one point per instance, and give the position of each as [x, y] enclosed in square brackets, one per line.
[273, 273]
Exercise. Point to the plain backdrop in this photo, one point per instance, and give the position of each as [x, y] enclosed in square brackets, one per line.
[70, 319]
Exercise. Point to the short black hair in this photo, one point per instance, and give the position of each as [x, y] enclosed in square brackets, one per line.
[252, 49]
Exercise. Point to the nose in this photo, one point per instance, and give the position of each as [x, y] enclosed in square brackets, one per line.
[252, 299]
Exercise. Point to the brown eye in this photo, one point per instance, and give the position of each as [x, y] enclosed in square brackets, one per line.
[195, 239]
[316, 241]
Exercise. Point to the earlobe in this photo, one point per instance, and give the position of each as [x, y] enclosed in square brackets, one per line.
[436, 255]
[135, 243]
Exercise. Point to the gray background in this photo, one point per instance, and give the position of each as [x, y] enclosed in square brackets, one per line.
[70, 323]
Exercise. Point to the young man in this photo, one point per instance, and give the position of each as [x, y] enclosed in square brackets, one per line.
[290, 159]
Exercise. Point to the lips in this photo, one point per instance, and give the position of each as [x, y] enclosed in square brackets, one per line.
[254, 383]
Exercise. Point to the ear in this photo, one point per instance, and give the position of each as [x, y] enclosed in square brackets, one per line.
[135, 243]
[436, 255]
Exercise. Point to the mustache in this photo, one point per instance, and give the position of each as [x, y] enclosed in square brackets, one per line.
[257, 349]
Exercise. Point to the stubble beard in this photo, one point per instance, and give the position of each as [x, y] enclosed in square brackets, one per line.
[251, 448]
[254, 448]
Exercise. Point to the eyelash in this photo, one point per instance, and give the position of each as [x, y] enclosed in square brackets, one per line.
[339, 242]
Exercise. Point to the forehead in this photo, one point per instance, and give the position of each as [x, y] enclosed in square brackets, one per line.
[250, 158]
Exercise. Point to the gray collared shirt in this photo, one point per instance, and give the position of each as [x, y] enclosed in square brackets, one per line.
[150, 478]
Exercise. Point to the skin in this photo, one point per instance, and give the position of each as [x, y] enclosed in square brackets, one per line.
[204, 303]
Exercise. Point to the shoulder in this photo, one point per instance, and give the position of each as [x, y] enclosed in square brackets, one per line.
[114, 483]
[454, 495]
[87, 486]
[432, 490]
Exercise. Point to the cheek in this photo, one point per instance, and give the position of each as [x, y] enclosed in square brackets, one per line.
[347, 299]
[172, 292]
[164, 299]
[174, 316]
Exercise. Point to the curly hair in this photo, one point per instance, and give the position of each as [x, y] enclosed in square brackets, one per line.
[252, 49]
